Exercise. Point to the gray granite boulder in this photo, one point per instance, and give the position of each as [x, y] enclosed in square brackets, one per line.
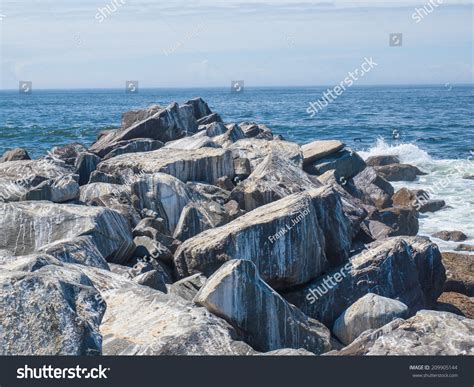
[368, 312]
[238, 294]
[346, 163]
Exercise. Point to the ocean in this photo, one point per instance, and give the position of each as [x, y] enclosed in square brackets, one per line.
[431, 127]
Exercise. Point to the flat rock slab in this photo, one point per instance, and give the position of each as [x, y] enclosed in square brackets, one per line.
[319, 149]
[205, 164]
[406, 269]
[238, 294]
[26, 227]
[368, 312]
[429, 333]
[289, 240]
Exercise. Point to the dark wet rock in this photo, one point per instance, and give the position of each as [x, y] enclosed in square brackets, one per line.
[379, 161]
[290, 240]
[168, 124]
[273, 179]
[468, 177]
[368, 312]
[132, 117]
[432, 206]
[238, 294]
[199, 107]
[14, 155]
[372, 189]
[47, 313]
[225, 183]
[210, 119]
[409, 270]
[86, 163]
[26, 227]
[456, 303]
[317, 150]
[256, 150]
[205, 164]
[59, 190]
[455, 236]
[428, 333]
[347, 164]
[399, 172]
[242, 168]
[188, 287]
[464, 247]
[133, 146]
[153, 279]
[459, 273]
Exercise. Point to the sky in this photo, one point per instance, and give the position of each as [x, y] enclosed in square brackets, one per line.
[205, 43]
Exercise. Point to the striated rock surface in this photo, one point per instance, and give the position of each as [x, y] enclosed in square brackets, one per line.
[59, 190]
[25, 227]
[133, 146]
[290, 240]
[368, 312]
[238, 294]
[408, 270]
[429, 333]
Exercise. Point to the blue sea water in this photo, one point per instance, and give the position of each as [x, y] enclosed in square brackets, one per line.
[437, 118]
[433, 127]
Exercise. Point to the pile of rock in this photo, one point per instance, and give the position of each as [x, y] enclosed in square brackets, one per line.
[179, 234]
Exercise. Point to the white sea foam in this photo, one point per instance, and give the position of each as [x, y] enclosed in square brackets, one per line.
[444, 181]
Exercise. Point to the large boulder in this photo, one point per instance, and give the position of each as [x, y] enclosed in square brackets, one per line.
[59, 190]
[167, 124]
[133, 116]
[372, 189]
[26, 227]
[368, 312]
[199, 107]
[408, 270]
[86, 163]
[273, 179]
[45, 312]
[238, 294]
[205, 164]
[317, 150]
[378, 161]
[459, 273]
[290, 240]
[403, 221]
[429, 333]
[399, 172]
[346, 163]
[14, 155]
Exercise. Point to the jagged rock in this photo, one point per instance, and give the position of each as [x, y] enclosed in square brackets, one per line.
[18, 177]
[205, 164]
[26, 227]
[143, 321]
[371, 189]
[96, 190]
[290, 240]
[211, 130]
[191, 143]
[132, 117]
[273, 179]
[188, 287]
[238, 294]
[167, 124]
[242, 168]
[164, 194]
[86, 163]
[210, 119]
[59, 190]
[368, 312]
[233, 134]
[459, 273]
[403, 221]
[233, 209]
[144, 265]
[379, 161]
[148, 247]
[317, 150]
[44, 313]
[464, 247]
[225, 183]
[143, 227]
[255, 150]
[252, 129]
[14, 155]
[133, 146]
[153, 279]
[456, 303]
[200, 191]
[119, 202]
[409, 270]
[429, 333]
[399, 172]
[199, 107]
[347, 164]
[67, 153]
[455, 236]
